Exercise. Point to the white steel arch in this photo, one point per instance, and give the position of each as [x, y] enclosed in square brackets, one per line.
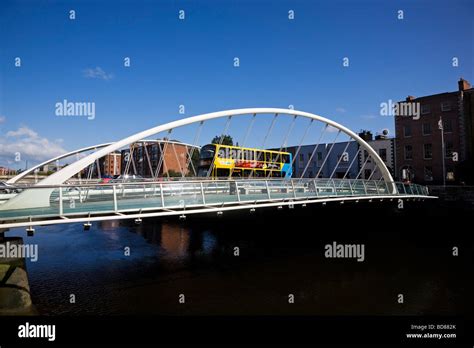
[37, 198]
[32, 169]
[64, 174]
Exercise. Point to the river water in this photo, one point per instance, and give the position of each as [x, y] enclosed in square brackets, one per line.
[280, 252]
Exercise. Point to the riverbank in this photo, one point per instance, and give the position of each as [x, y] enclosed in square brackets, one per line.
[15, 296]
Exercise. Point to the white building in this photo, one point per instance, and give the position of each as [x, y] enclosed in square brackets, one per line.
[385, 147]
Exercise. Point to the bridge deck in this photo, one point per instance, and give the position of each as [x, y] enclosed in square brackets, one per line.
[84, 202]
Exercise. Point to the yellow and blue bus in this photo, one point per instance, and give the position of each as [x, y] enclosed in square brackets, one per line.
[235, 161]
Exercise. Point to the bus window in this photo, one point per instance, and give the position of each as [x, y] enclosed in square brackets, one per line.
[285, 158]
[221, 153]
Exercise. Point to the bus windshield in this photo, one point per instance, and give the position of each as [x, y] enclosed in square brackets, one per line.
[208, 151]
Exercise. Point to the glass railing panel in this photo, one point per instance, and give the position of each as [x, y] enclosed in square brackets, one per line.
[182, 194]
[87, 199]
[137, 196]
[280, 189]
[49, 207]
[358, 187]
[220, 192]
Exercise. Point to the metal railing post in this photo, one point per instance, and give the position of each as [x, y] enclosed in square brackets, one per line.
[202, 193]
[60, 201]
[365, 188]
[316, 187]
[268, 189]
[386, 187]
[162, 196]
[237, 190]
[350, 187]
[114, 189]
[293, 187]
[376, 187]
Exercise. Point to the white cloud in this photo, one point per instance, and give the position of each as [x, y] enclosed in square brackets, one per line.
[331, 129]
[341, 110]
[22, 131]
[2, 119]
[97, 73]
[29, 144]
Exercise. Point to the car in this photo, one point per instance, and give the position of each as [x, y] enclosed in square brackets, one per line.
[105, 179]
[127, 178]
[123, 179]
[7, 188]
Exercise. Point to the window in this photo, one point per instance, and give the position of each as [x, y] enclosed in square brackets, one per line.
[383, 154]
[445, 106]
[428, 173]
[407, 130]
[426, 128]
[449, 173]
[319, 158]
[447, 126]
[408, 152]
[425, 109]
[301, 160]
[448, 149]
[427, 151]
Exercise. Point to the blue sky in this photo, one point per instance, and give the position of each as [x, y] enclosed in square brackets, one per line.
[190, 62]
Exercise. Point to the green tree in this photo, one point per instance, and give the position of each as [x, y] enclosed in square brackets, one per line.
[173, 173]
[193, 162]
[226, 140]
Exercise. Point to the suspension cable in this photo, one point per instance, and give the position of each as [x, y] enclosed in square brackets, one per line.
[177, 160]
[269, 131]
[352, 163]
[226, 128]
[285, 140]
[244, 143]
[301, 141]
[193, 148]
[162, 162]
[363, 166]
[340, 158]
[249, 129]
[323, 131]
[148, 157]
[327, 155]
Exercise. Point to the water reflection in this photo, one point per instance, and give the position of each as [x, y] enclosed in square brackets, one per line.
[178, 243]
[197, 256]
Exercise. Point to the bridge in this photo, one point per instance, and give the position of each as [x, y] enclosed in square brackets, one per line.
[64, 197]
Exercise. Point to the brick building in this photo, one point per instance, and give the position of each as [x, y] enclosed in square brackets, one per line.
[419, 146]
[146, 158]
[111, 164]
[7, 171]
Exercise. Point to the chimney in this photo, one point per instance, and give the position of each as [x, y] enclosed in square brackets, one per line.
[410, 98]
[463, 84]
[366, 135]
